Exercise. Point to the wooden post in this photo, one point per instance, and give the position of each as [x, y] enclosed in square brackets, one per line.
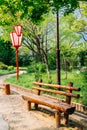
[36, 106]
[7, 89]
[40, 81]
[28, 105]
[38, 93]
[57, 117]
[17, 67]
[68, 100]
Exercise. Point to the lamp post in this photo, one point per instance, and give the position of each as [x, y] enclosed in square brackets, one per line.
[16, 39]
[58, 50]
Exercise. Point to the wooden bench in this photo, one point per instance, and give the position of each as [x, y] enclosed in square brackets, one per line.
[58, 105]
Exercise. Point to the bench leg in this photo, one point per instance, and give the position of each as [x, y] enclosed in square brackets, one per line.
[36, 106]
[66, 116]
[28, 105]
[57, 117]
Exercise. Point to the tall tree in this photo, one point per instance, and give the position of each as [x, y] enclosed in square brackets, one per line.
[79, 26]
[67, 7]
[36, 39]
[14, 11]
[34, 10]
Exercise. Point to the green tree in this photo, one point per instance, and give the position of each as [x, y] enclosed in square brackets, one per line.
[36, 39]
[6, 53]
[79, 26]
[34, 11]
[14, 11]
[69, 40]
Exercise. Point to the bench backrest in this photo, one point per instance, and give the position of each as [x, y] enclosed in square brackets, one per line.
[59, 89]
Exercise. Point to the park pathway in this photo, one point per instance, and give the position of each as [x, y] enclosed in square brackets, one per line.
[2, 78]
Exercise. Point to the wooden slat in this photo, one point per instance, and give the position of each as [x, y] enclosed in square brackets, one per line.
[57, 101]
[61, 106]
[57, 86]
[57, 92]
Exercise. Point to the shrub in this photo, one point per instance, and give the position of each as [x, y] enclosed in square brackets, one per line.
[30, 69]
[37, 75]
[84, 100]
[3, 66]
[84, 69]
[10, 68]
[42, 67]
[37, 67]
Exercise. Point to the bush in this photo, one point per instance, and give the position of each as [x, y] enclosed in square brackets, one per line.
[37, 69]
[10, 68]
[37, 75]
[41, 68]
[30, 69]
[84, 69]
[84, 100]
[3, 66]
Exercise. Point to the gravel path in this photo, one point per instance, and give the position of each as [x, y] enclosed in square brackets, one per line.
[9, 75]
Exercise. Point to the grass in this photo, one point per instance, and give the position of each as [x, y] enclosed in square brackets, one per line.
[78, 79]
[3, 72]
[25, 80]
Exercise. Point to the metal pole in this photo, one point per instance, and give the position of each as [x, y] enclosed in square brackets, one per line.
[57, 50]
[17, 68]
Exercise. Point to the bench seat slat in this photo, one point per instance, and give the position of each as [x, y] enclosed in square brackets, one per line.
[55, 104]
[57, 101]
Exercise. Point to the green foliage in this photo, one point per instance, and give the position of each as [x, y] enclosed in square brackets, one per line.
[52, 59]
[73, 48]
[25, 80]
[37, 69]
[79, 25]
[39, 8]
[84, 69]
[30, 69]
[84, 100]
[3, 66]
[4, 72]
[10, 68]
[82, 56]
[67, 6]
[7, 53]
[24, 59]
[40, 67]
[12, 11]
[37, 75]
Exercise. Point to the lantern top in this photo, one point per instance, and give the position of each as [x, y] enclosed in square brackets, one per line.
[16, 40]
[18, 29]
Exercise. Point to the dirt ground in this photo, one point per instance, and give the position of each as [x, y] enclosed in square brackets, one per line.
[14, 112]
